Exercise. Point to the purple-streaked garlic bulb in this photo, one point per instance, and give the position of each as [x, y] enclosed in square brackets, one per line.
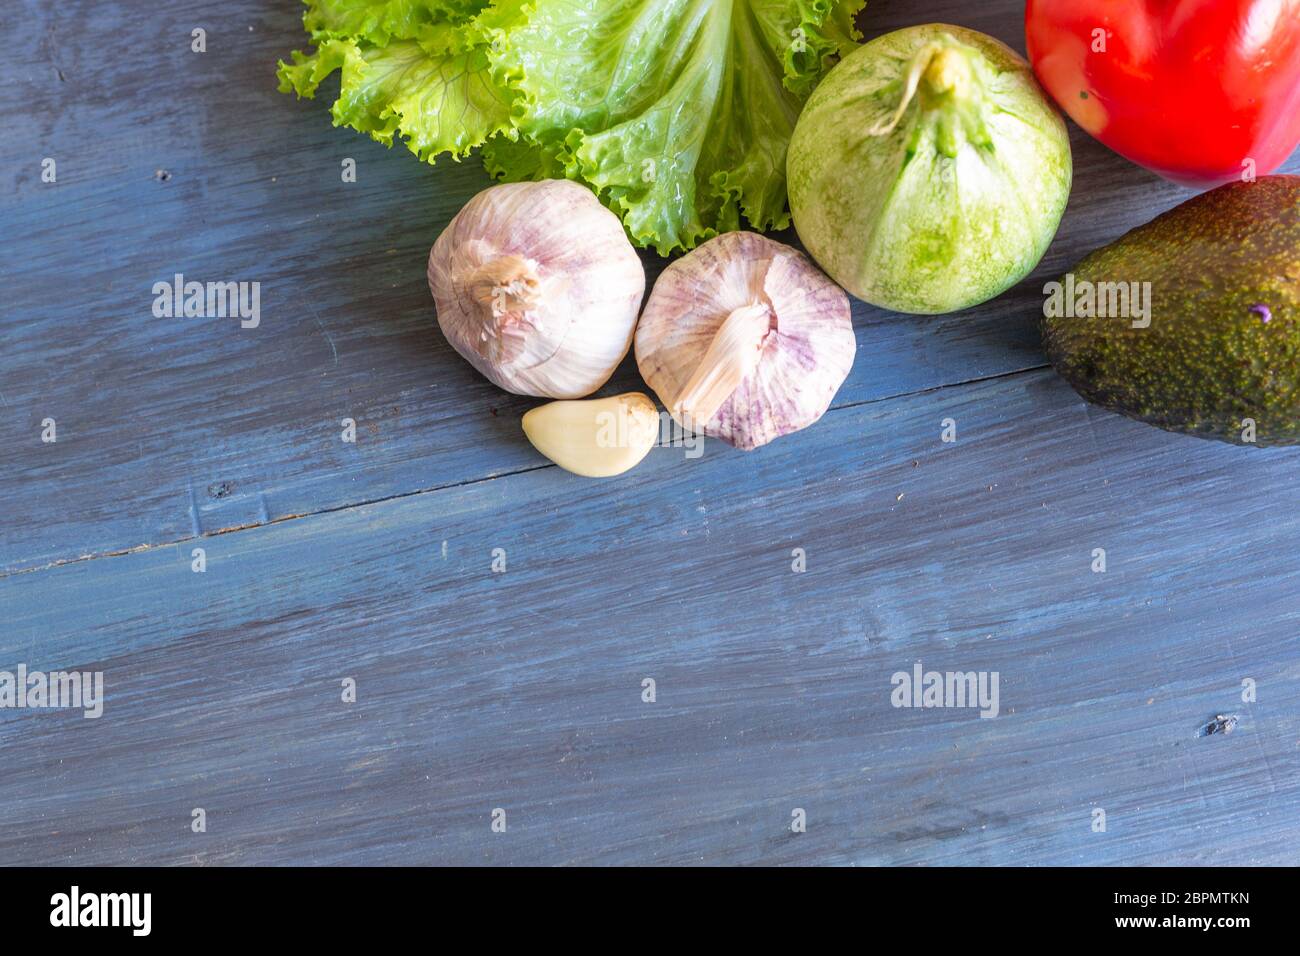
[538, 287]
[745, 340]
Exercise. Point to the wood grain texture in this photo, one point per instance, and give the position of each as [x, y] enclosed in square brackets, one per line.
[522, 690]
[175, 427]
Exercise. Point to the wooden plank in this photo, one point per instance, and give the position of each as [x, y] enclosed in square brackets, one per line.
[522, 690]
[172, 428]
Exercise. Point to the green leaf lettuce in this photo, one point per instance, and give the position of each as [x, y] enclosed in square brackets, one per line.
[678, 113]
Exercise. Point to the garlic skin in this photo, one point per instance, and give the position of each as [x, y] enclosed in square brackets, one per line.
[745, 340]
[537, 286]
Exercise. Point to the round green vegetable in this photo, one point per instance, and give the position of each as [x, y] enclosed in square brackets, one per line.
[928, 172]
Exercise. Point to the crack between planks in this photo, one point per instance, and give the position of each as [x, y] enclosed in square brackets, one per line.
[281, 519]
[434, 489]
[939, 388]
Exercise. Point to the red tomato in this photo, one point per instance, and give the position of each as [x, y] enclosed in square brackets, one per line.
[1200, 91]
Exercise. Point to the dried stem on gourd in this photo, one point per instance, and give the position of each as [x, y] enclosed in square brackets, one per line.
[938, 69]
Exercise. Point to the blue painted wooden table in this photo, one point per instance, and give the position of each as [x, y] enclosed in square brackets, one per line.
[327, 562]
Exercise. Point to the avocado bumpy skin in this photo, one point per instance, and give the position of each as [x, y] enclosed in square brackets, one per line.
[1223, 344]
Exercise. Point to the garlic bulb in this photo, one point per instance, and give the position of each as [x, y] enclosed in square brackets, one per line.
[745, 340]
[538, 287]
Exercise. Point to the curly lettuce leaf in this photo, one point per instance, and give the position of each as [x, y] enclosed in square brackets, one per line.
[438, 103]
[678, 113]
[438, 90]
[378, 21]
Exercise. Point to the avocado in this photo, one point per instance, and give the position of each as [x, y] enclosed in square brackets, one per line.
[1192, 322]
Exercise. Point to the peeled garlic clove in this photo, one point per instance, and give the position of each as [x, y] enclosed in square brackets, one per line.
[745, 340]
[538, 287]
[597, 438]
